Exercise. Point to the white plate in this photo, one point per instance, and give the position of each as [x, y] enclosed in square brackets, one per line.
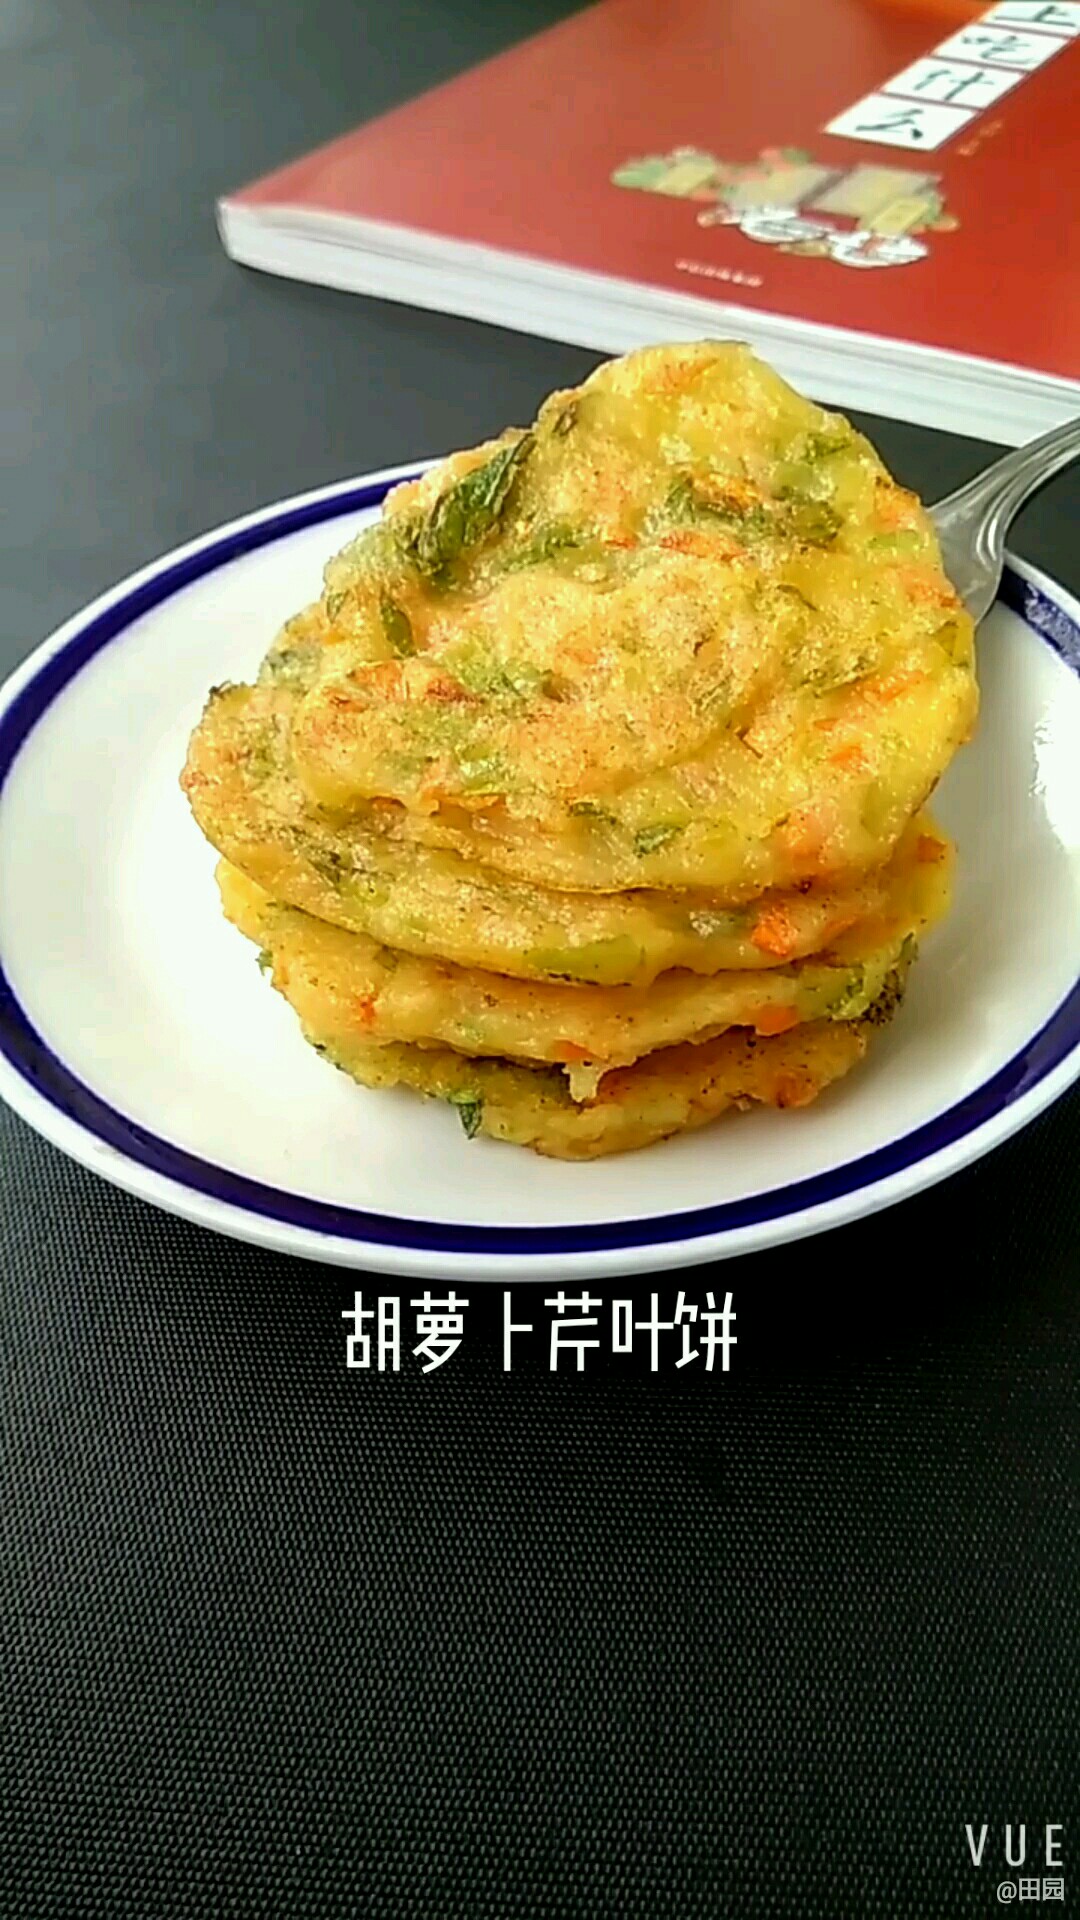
[135, 1032]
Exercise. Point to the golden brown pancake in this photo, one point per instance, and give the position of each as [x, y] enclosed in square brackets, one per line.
[685, 631]
[589, 796]
[432, 903]
[668, 1092]
[353, 988]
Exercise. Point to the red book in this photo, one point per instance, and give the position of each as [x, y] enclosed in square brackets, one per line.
[878, 194]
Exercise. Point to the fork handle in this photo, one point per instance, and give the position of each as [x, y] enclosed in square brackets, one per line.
[999, 491]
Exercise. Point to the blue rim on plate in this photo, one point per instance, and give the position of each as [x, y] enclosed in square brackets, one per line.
[25, 1050]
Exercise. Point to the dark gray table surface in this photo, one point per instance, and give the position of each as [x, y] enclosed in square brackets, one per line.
[529, 1646]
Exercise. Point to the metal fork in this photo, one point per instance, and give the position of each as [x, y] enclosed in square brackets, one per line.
[973, 522]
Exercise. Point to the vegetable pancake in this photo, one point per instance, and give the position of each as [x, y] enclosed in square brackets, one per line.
[666, 1093]
[354, 988]
[685, 631]
[250, 806]
[589, 795]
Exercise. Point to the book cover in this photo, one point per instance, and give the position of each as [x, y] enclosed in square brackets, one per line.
[901, 169]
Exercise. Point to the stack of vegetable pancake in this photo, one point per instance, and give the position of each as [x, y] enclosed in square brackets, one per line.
[589, 796]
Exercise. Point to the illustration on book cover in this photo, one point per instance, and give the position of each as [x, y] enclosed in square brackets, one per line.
[859, 216]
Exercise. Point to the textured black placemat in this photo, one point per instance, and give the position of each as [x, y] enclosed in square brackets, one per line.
[286, 1639]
